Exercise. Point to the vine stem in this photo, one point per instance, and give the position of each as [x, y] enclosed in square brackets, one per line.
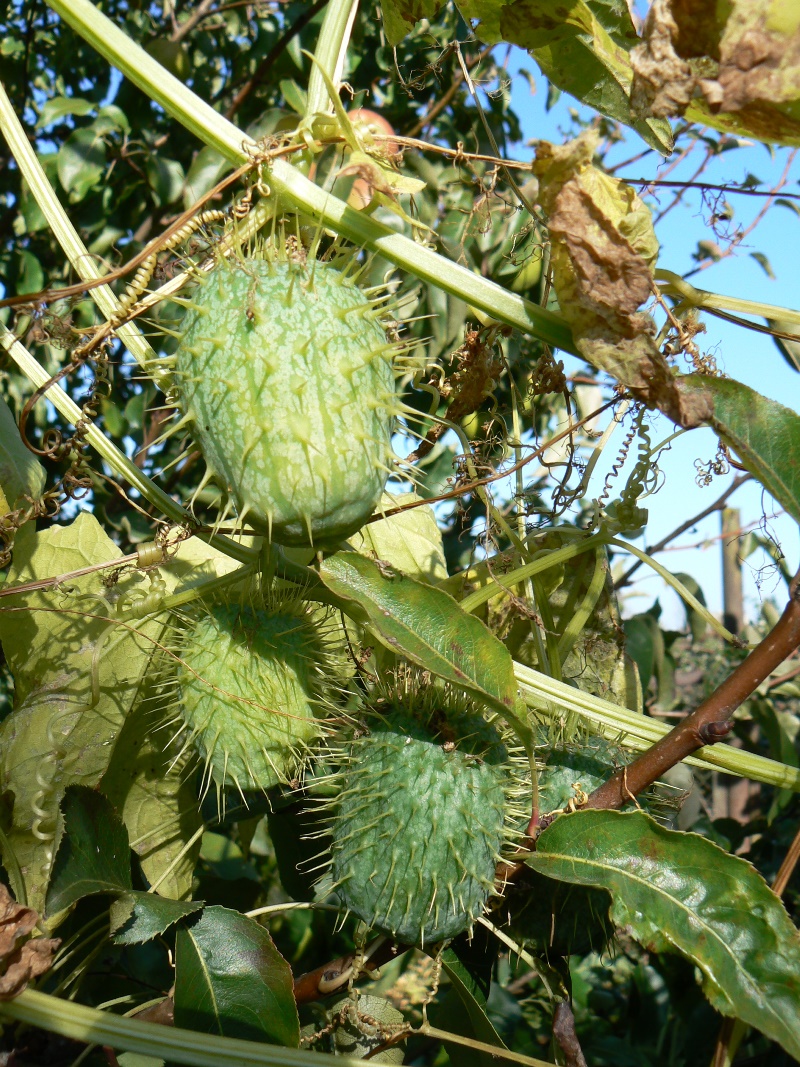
[712, 720]
[334, 37]
[214, 130]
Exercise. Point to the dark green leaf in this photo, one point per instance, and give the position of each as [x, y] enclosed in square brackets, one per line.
[353, 1036]
[81, 163]
[764, 263]
[427, 626]
[463, 1009]
[93, 855]
[764, 434]
[137, 917]
[293, 832]
[400, 16]
[680, 892]
[231, 980]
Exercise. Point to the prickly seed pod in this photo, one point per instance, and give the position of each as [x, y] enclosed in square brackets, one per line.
[419, 823]
[284, 374]
[255, 683]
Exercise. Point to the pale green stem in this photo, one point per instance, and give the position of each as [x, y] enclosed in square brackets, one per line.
[502, 583]
[178, 859]
[66, 234]
[551, 698]
[293, 905]
[174, 1044]
[679, 588]
[215, 130]
[334, 37]
[536, 630]
[580, 617]
[67, 407]
[701, 298]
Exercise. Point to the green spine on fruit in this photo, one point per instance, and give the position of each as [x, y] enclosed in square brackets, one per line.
[419, 823]
[284, 372]
[254, 684]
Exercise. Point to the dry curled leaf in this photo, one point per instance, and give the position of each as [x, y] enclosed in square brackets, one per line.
[735, 67]
[603, 252]
[22, 958]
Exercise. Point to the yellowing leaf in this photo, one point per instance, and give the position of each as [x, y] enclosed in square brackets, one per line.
[410, 540]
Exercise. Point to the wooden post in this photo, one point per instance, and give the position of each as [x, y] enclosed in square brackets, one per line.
[730, 796]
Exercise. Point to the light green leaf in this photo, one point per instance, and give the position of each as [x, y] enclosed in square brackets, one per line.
[231, 980]
[93, 854]
[411, 540]
[58, 735]
[206, 170]
[764, 434]
[427, 626]
[21, 473]
[354, 1037]
[137, 917]
[789, 349]
[166, 179]
[680, 892]
[59, 106]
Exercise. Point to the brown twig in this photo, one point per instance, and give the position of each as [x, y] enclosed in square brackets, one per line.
[737, 240]
[710, 722]
[718, 505]
[565, 1036]
[707, 187]
[334, 976]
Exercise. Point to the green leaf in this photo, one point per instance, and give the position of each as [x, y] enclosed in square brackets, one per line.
[789, 349]
[58, 735]
[353, 1036]
[206, 170]
[410, 541]
[81, 163]
[149, 781]
[137, 917]
[60, 106]
[427, 626]
[400, 16]
[21, 473]
[463, 1010]
[764, 434]
[93, 854]
[231, 980]
[680, 892]
[697, 624]
[166, 179]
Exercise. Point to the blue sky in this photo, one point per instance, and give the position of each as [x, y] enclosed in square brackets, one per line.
[749, 357]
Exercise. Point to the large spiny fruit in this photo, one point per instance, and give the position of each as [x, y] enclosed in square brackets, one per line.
[254, 684]
[284, 371]
[419, 823]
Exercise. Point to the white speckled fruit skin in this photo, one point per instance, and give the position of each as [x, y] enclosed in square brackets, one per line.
[285, 372]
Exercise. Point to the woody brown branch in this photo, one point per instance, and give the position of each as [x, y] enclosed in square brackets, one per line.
[710, 722]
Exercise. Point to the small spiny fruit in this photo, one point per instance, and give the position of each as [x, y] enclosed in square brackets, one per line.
[419, 823]
[255, 682]
[285, 373]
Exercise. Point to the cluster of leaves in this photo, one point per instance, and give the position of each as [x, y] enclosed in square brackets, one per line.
[101, 829]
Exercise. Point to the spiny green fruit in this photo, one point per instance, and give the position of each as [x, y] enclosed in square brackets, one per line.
[285, 373]
[254, 682]
[419, 823]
